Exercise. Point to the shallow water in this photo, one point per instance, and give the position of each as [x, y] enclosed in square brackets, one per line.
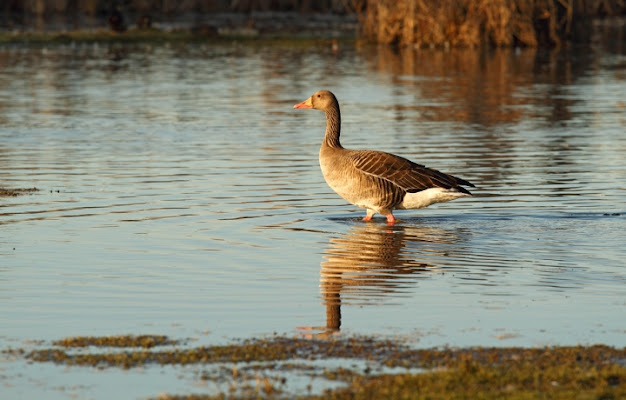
[180, 194]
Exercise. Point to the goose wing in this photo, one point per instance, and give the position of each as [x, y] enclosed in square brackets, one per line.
[404, 173]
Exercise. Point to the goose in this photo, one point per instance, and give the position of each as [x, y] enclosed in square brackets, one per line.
[377, 181]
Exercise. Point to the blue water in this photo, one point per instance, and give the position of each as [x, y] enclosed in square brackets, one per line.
[180, 194]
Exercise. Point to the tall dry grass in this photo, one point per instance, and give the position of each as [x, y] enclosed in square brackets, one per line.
[471, 23]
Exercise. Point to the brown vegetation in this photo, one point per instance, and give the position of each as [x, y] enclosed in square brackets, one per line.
[420, 23]
[471, 23]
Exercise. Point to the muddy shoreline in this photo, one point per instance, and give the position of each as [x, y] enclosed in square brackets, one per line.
[370, 367]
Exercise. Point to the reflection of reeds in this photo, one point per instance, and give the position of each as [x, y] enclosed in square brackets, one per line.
[471, 86]
[474, 22]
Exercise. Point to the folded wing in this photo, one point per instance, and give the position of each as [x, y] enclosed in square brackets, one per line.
[404, 173]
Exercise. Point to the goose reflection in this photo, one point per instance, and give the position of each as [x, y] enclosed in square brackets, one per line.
[373, 264]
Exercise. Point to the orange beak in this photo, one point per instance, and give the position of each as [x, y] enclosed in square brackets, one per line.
[305, 104]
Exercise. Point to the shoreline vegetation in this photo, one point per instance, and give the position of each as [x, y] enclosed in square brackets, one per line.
[402, 23]
[373, 368]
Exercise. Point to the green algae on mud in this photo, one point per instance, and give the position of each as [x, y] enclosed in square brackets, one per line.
[145, 341]
[566, 372]
[274, 349]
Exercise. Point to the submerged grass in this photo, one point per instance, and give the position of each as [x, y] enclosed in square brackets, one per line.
[577, 372]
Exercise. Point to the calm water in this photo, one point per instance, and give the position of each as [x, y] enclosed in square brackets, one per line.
[180, 194]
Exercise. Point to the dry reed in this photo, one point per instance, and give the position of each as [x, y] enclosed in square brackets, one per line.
[470, 23]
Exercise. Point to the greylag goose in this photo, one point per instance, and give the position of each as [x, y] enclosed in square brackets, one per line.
[377, 181]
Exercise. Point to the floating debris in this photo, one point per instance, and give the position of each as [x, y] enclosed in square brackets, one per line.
[5, 192]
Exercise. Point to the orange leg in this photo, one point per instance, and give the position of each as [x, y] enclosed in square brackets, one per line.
[390, 219]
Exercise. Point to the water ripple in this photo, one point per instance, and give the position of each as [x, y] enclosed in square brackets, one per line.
[178, 185]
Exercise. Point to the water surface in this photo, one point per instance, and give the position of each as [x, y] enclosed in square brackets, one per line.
[180, 194]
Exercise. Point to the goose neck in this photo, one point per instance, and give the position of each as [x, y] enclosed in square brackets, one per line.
[333, 127]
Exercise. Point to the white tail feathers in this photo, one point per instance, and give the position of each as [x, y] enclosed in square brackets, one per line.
[427, 197]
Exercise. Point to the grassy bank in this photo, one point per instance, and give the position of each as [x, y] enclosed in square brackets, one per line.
[159, 37]
[262, 368]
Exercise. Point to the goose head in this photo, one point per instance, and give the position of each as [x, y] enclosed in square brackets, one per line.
[321, 100]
